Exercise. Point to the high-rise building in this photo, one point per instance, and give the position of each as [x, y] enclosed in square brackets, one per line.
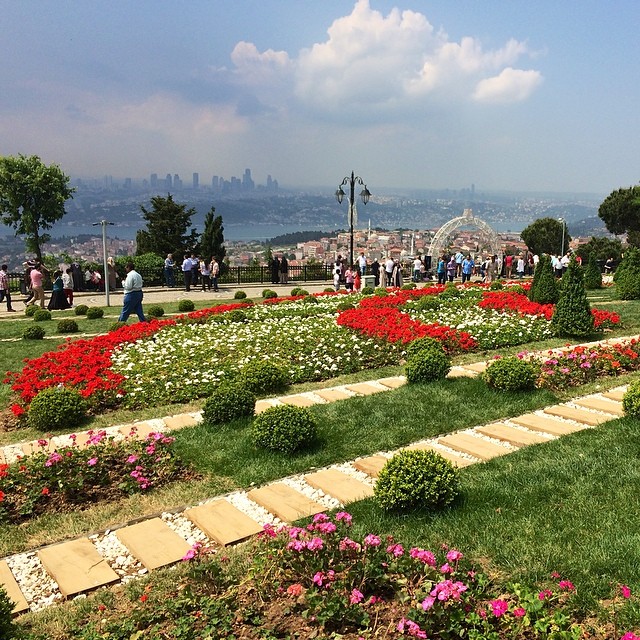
[154, 181]
[177, 183]
[168, 182]
[215, 183]
[247, 182]
[196, 181]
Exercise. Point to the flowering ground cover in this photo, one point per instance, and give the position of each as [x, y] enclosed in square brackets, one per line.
[309, 337]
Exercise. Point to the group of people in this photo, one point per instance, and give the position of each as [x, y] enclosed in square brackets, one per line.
[279, 270]
[195, 271]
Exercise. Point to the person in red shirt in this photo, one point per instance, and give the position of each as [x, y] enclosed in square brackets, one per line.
[37, 277]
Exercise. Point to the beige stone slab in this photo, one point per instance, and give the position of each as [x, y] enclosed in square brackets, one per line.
[515, 437]
[476, 447]
[153, 543]
[13, 590]
[546, 424]
[340, 485]
[478, 367]
[393, 383]
[76, 566]
[371, 465]
[615, 394]
[263, 405]
[455, 460]
[285, 502]
[364, 388]
[180, 421]
[141, 430]
[298, 401]
[461, 372]
[29, 448]
[222, 522]
[579, 415]
[601, 404]
[332, 395]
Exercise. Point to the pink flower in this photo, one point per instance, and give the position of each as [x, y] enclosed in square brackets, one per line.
[92, 461]
[545, 593]
[427, 603]
[343, 515]
[566, 585]
[396, 550]
[454, 555]
[630, 636]
[356, 597]
[320, 517]
[499, 607]
[446, 568]
[625, 591]
[315, 544]
[424, 556]
[132, 458]
[326, 527]
[371, 540]
[294, 589]
[519, 612]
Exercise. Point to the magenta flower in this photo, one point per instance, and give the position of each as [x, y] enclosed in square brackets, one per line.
[544, 594]
[446, 568]
[356, 597]
[348, 543]
[396, 550]
[315, 544]
[625, 591]
[371, 540]
[92, 461]
[326, 527]
[424, 556]
[519, 612]
[343, 515]
[427, 603]
[499, 607]
[630, 636]
[320, 517]
[454, 555]
[132, 458]
[566, 585]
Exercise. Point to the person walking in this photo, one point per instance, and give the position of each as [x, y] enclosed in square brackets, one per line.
[388, 271]
[467, 268]
[67, 285]
[169, 271]
[375, 271]
[362, 263]
[37, 276]
[132, 302]
[442, 270]
[205, 274]
[58, 299]
[452, 269]
[214, 268]
[5, 292]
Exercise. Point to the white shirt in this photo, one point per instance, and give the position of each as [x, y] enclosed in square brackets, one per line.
[67, 282]
[133, 282]
[388, 265]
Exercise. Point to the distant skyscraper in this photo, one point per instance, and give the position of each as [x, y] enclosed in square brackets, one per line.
[196, 181]
[127, 184]
[168, 181]
[215, 183]
[154, 181]
[177, 183]
[247, 182]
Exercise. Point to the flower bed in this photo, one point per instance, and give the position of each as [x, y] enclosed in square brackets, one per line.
[74, 477]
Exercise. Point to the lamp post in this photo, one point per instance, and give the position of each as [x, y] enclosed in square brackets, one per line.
[104, 224]
[562, 246]
[365, 194]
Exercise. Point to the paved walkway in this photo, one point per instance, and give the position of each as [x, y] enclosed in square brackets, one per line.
[72, 568]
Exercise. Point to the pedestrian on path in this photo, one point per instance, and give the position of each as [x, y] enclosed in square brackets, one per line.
[132, 302]
[214, 268]
[67, 285]
[4, 287]
[37, 276]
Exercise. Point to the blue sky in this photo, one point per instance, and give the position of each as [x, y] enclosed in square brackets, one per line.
[504, 94]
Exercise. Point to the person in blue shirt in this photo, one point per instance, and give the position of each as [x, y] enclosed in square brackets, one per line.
[132, 302]
[442, 270]
[467, 268]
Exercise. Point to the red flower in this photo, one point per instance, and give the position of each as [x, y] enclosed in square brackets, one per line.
[45, 491]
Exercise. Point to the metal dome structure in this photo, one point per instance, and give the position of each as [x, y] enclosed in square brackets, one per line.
[440, 240]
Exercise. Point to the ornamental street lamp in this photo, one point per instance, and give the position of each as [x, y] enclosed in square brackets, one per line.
[562, 247]
[103, 224]
[365, 194]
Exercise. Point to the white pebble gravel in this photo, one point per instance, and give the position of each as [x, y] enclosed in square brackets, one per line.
[116, 554]
[241, 501]
[186, 529]
[299, 484]
[38, 587]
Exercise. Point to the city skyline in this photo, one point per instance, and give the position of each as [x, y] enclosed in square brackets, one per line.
[503, 95]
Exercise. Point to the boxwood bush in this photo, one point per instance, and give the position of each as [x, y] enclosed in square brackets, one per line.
[239, 295]
[427, 365]
[56, 408]
[284, 428]
[42, 315]
[81, 310]
[366, 291]
[511, 374]
[262, 377]
[186, 305]
[34, 333]
[423, 344]
[94, 313]
[30, 310]
[155, 311]
[227, 403]
[67, 325]
[117, 325]
[631, 400]
[416, 479]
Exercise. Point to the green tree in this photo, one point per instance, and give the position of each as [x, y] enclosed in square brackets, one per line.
[545, 236]
[168, 229]
[592, 273]
[620, 210]
[212, 239]
[572, 315]
[627, 276]
[601, 248]
[544, 288]
[32, 198]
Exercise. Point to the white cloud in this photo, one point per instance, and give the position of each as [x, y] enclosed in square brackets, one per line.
[510, 85]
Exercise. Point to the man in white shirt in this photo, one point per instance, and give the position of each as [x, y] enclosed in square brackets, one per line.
[362, 263]
[186, 272]
[417, 266]
[132, 302]
[388, 269]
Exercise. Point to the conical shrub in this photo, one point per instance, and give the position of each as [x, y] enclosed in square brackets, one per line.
[627, 276]
[572, 316]
[544, 289]
[592, 273]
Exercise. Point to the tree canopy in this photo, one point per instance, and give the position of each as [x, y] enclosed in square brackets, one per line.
[32, 198]
[620, 210]
[168, 229]
[602, 248]
[545, 236]
[212, 240]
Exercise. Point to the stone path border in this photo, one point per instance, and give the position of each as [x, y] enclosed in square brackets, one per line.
[37, 579]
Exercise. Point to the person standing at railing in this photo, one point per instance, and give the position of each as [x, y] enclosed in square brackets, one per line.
[186, 273]
[284, 270]
[214, 268]
[205, 273]
[5, 291]
[275, 270]
[169, 271]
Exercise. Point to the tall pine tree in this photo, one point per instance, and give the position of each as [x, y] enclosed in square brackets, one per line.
[212, 239]
[168, 229]
[572, 316]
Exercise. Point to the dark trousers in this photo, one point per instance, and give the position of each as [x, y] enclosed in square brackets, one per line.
[132, 303]
[206, 282]
[187, 280]
[4, 293]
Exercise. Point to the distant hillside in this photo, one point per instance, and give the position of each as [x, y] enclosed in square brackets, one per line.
[297, 236]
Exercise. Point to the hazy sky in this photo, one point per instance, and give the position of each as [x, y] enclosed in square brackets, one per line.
[505, 94]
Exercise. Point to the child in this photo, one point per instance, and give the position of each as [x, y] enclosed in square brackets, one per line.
[357, 282]
[336, 278]
[349, 278]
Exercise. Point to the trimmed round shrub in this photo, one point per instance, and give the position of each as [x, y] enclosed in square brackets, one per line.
[94, 313]
[239, 295]
[30, 310]
[269, 293]
[34, 333]
[408, 286]
[429, 303]
[381, 292]
[186, 305]
[155, 311]
[296, 291]
[496, 285]
[631, 400]
[56, 408]
[310, 299]
[237, 315]
[416, 480]
[42, 315]
[117, 325]
[328, 289]
[345, 306]
[227, 403]
[423, 344]
[81, 310]
[427, 365]
[262, 377]
[284, 428]
[303, 292]
[67, 325]
[511, 374]
[366, 291]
